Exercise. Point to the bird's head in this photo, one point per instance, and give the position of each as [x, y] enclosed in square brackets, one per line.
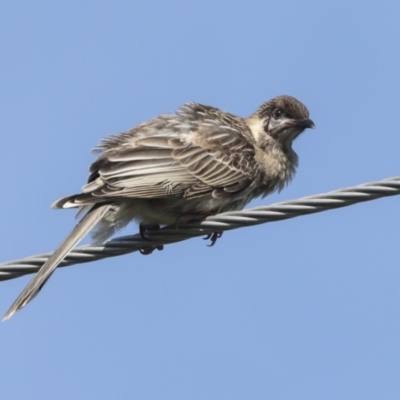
[280, 119]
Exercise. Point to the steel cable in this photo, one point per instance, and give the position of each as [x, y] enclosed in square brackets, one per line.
[217, 223]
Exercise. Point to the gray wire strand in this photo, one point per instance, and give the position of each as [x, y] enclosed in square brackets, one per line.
[218, 223]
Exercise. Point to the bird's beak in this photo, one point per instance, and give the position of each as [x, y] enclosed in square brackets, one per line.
[303, 123]
[297, 124]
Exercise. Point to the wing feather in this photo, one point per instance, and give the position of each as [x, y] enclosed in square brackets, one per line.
[140, 154]
[197, 151]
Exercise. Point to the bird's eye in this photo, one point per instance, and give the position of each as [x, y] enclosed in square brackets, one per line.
[278, 113]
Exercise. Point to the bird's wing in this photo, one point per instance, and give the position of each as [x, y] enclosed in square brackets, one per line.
[31, 290]
[219, 156]
[189, 154]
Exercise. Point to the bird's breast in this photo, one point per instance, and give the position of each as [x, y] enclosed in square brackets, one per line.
[276, 169]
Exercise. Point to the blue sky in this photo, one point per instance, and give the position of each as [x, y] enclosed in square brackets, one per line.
[307, 308]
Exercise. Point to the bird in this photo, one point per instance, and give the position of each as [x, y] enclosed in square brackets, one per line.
[181, 167]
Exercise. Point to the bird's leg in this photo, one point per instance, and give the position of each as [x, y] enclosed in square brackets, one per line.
[143, 229]
[184, 219]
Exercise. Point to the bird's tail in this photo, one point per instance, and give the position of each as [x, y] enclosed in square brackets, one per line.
[44, 273]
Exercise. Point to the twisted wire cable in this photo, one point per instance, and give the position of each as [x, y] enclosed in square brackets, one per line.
[217, 223]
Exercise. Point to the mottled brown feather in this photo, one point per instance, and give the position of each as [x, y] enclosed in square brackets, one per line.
[215, 155]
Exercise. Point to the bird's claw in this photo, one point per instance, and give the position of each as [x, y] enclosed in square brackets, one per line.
[213, 238]
[148, 250]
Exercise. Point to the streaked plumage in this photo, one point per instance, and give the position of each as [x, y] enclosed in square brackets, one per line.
[194, 163]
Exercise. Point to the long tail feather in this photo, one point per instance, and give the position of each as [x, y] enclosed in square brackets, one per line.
[77, 234]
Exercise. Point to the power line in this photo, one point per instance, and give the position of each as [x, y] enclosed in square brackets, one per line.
[218, 223]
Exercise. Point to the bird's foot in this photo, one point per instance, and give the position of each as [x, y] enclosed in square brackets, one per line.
[213, 238]
[149, 249]
[184, 219]
[143, 229]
